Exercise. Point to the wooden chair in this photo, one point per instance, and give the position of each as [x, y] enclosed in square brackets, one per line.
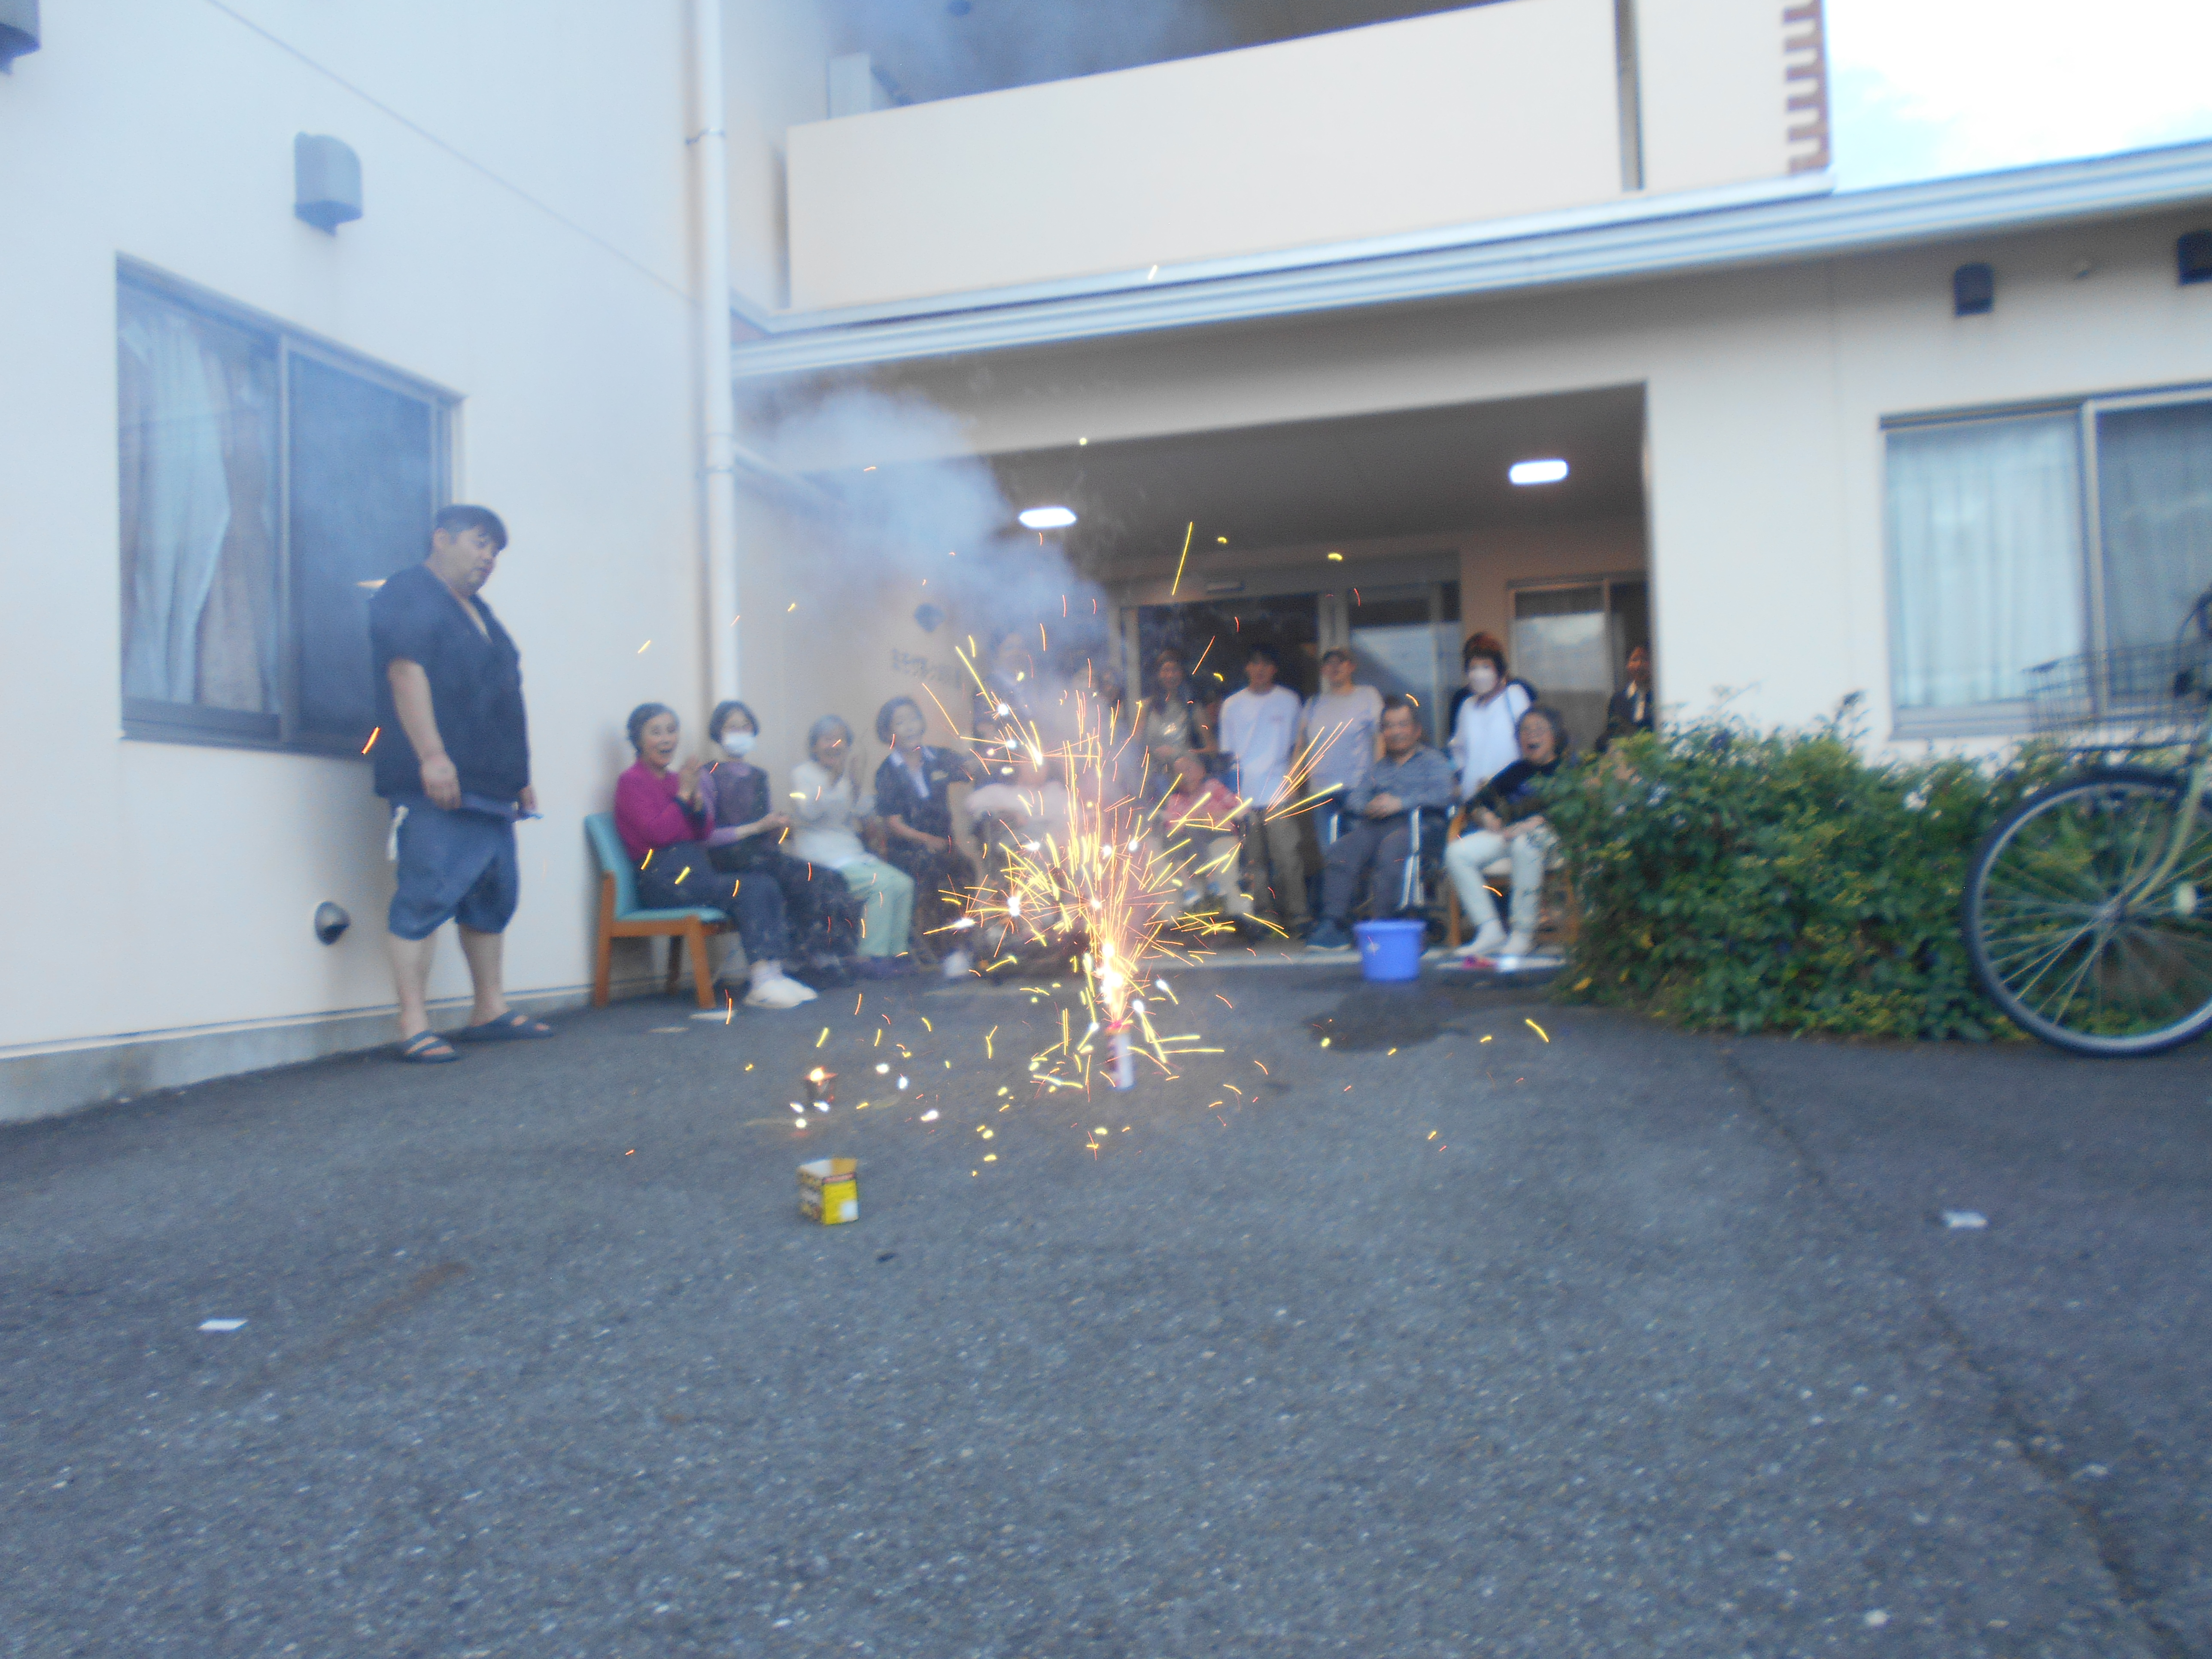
[621, 918]
[1501, 869]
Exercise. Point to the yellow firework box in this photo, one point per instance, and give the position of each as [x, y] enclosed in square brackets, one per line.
[830, 1190]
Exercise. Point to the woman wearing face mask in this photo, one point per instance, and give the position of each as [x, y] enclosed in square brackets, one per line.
[735, 792]
[1484, 740]
[661, 815]
[912, 800]
[745, 835]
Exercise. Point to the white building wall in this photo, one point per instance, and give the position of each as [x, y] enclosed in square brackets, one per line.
[1432, 121]
[531, 261]
[1711, 92]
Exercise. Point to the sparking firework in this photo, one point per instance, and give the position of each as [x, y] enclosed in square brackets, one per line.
[1087, 879]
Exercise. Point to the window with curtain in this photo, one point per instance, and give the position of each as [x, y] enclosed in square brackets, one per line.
[1985, 538]
[1996, 566]
[199, 428]
[2154, 512]
[268, 486]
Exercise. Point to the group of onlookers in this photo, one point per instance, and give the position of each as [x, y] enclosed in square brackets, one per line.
[1219, 784]
[796, 876]
[1356, 767]
[1233, 789]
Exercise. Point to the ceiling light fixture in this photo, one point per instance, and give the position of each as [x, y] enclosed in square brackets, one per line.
[1048, 517]
[1537, 472]
[1336, 558]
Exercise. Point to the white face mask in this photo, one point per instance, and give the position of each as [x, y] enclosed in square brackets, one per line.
[738, 743]
[1481, 679]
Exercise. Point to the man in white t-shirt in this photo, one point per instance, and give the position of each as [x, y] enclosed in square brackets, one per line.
[1341, 729]
[1260, 728]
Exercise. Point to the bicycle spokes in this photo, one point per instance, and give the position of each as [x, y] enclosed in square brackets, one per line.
[2074, 927]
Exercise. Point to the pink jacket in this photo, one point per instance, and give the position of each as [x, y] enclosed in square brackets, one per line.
[648, 815]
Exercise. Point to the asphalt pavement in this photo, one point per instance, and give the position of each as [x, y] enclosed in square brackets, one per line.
[1418, 1321]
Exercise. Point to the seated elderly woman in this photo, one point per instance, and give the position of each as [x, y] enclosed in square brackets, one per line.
[911, 799]
[663, 823]
[826, 804]
[746, 836]
[1504, 823]
[1197, 830]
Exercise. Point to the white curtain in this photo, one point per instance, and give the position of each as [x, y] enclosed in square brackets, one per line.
[1985, 543]
[182, 505]
[2154, 497]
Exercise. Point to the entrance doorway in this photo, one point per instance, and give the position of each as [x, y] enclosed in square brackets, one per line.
[1405, 643]
[1215, 636]
[1403, 637]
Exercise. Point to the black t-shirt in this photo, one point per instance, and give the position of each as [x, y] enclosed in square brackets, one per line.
[926, 808]
[475, 689]
[1512, 794]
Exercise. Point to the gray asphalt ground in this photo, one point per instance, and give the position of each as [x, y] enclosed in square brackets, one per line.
[1623, 1342]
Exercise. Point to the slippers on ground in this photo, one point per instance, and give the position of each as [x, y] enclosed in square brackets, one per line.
[509, 1027]
[426, 1048]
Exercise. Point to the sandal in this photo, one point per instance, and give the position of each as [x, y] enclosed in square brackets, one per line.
[509, 1027]
[426, 1048]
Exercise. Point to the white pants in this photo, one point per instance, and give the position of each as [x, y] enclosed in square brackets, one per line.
[1466, 857]
[1220, 862]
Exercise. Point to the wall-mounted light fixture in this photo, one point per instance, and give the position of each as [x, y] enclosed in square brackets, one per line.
[19, 30]
[2193, 255]
[325, 181]
[1973, 291]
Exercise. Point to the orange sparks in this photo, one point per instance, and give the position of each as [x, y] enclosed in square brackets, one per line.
[1187, 529]
[374, 733]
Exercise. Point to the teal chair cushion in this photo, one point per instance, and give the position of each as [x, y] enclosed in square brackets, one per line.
[614, 858]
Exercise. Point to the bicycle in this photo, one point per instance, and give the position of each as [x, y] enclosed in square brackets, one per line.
[2088, 908]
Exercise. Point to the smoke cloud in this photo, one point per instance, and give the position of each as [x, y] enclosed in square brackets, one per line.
[902, 515]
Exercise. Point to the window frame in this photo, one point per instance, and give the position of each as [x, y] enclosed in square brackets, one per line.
[144, 720]
[2012, 718]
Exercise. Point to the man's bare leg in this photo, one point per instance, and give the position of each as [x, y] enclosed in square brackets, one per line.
[483, 953]
[411, 972]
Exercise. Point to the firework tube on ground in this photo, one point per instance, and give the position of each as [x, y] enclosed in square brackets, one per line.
[1123, 1072]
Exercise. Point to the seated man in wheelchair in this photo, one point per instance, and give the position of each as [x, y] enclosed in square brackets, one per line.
[1504, 822]
[1393, 821]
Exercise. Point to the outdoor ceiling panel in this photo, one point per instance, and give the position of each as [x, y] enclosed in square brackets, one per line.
[1404, 473]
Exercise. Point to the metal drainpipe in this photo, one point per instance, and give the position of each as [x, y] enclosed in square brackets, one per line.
[718, 418]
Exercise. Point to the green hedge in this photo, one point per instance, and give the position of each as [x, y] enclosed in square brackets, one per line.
[1780, 881]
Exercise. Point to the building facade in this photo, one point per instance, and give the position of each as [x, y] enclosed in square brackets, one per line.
[1274, 317]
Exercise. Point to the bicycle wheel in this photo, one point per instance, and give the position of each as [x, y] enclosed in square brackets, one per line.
[2061, 933]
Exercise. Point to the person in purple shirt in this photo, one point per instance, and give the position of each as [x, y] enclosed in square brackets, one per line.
[662, 818]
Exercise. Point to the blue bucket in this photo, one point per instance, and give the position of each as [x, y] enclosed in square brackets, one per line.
[1390, 951]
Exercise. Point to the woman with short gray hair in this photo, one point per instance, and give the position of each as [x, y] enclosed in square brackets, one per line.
[827, 801]
[1506, 821]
